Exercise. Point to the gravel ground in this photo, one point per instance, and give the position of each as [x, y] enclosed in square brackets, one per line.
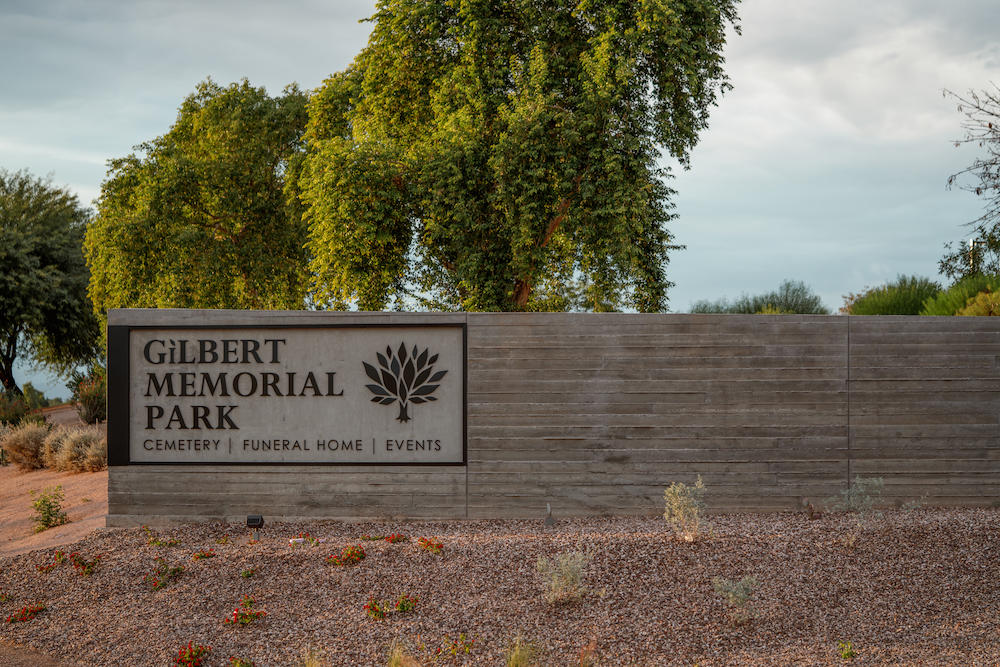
[917, 587]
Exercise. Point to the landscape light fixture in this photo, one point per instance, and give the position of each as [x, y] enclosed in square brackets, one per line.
[255, 522]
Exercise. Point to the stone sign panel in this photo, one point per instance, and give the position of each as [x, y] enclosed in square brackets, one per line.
[361, 394]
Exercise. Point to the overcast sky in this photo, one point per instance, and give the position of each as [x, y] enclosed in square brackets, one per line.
[826, 163]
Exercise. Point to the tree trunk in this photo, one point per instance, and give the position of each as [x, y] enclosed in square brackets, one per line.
[403, 415]
[7, 356]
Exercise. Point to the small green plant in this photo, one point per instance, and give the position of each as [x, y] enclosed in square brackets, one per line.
[521, 653]
[240, 662]
[737, 595]
[154, 540]
[249, 572]
[222, 540]
[192, 655]
[430, 545]
[200, 555]
[396, 537]
[683, 507]
[303, 539]
[562, 577]
[57, 558]
[463, 645]
[379, 609]
[350, 555]
[25, 614]
[846, 650]
[859, 497]
[376, 609]
[162, 574]
[83, 567]
[4, 597]
[246, 612]
[48, 509]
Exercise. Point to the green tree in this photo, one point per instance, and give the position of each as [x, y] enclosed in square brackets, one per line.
[791, 297]
[905, 296]
[982, 177]
[44, 311]
[206, 216]
[504, 155]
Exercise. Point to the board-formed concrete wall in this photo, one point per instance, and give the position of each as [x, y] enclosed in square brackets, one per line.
[597, 413]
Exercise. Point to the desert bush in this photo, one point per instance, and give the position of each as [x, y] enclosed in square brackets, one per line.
[52, 445]
[521, 653]
[683, 507]
[90, 394]
[956, 297]
[400, 657]
[860, 497]
[984, 304]
[23, 445]
[83, 449]
[905, 296]
[791, 297]
[48, 509]
[13, 408]
[737, 595]
[562, 577]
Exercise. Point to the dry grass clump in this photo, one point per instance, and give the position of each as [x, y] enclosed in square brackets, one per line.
[81, 449]
[562, 577]
[521, 654]
[23, 445]
[399, 657]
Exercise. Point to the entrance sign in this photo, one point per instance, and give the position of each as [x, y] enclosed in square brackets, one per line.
[297, 394]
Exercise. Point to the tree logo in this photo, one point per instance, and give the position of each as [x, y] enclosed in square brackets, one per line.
[408, 378]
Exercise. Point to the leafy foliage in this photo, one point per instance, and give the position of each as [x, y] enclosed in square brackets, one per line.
[983, 304]
[790, 297]
[737, 595]
[485, 156]
[956, 297]
[44, 310]
[562, 576]
[408, 378]
[982, 129]
[683, 507]
[90, 394]
[905, 296]
[48, 509]
[206, 216]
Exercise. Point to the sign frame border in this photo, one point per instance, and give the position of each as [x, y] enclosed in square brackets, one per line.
[120, 406]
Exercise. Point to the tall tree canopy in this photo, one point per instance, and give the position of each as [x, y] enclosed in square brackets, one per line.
[982, 129]
[206, 216]
[44, 310]
[491, 155]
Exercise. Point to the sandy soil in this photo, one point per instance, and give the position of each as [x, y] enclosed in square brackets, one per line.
[86, 506]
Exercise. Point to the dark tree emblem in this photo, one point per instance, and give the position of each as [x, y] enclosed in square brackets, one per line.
[408, 378]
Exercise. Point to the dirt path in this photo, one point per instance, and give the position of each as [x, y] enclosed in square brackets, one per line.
[86, 506]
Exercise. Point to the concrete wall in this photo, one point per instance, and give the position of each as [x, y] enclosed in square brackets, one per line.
[597, 413]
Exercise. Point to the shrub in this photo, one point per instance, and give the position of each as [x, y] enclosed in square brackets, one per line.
[737, 595]
[90, 394]
[683, 507]
[399, 657]
[521, 653]
[562, 577]
[984, 304]
[83, 449]
[12, 408]
[23, 445]
[860, 497]
[905, 296]
[51, 447]
[956, 297]
[790, 297]
[48, 509]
